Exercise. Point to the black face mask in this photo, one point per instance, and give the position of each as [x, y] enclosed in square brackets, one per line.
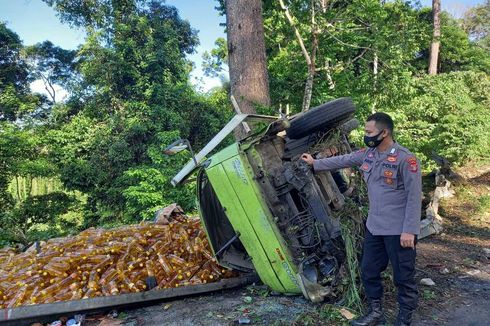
[373, 141]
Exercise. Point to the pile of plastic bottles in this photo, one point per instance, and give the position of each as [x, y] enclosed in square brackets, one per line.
[99, 262]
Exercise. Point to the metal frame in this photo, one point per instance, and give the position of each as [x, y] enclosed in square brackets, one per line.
[220, 136]
[25, 315]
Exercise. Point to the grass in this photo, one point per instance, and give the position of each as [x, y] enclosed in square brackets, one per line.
[428, 295]
[483, 204]
[468, 211]
[325, 315]
[352, 295]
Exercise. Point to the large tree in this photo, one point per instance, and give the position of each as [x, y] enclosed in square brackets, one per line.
[246, 54]
[51, 64]
[476, 22]
[436, 34]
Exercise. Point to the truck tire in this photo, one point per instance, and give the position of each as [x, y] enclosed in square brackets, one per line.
[321, 118]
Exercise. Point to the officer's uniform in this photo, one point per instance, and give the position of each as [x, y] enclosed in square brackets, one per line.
[394, 188]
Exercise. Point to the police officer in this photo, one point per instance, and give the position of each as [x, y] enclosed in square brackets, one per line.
[394, 185]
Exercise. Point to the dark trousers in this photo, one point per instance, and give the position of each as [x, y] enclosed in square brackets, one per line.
[378, 250]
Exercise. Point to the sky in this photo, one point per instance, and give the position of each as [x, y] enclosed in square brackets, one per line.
[34, 22]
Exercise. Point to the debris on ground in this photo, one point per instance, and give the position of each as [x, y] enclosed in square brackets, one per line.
[444, 271]
[427, 282]
[432, 224]
[99, 262]
[347, 314]
[486, 252]
[473, 272]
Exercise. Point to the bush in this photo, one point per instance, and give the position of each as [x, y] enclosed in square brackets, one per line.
[34, 213]
[149, 185]
[446, 113]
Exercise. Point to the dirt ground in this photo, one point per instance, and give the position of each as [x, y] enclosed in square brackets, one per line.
[454, 260]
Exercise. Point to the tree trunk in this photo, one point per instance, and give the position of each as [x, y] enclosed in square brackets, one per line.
[434, 46]
[375, 78]
[311, 76]
[246, 55]
[308, 89]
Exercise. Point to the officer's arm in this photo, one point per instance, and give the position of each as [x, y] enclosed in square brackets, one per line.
[339, 162]
[412, 179]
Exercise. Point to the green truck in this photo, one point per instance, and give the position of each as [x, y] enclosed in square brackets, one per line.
[264, 209]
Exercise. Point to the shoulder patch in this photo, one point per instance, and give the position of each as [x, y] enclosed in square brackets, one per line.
[413, 166]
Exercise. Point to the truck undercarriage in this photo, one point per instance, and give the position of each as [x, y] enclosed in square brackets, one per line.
[302, 203]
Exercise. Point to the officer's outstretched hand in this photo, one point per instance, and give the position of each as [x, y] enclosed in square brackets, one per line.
[307, 158]
[407, 240]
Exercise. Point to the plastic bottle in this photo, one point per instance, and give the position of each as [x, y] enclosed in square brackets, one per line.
[50, 269]
[167, 267]
[176, 260]
[85, 265]
[93, 280]
[108, 275]
[150, 268]
[34, 295]
[140, 285]
[127, 282]
[65, 283]
[48, 292]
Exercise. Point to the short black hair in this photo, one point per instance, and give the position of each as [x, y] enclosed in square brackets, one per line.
[382, 121]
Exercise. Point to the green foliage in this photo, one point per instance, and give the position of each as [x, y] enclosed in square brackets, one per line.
[17, 155]
[107, 140]
[15, 98]
[43, 209]
[462, 44]
[150, 185]
[13, 70]
[428, 295]
[215, 60]
[51, 64]
[447, 113]
[349, 40]
[458, 51]
[476, 22]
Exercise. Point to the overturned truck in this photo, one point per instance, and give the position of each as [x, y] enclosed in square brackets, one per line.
[265, 210]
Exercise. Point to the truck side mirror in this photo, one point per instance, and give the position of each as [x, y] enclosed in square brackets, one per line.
[178, 146]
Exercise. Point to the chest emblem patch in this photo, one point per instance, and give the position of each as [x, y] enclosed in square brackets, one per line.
[391, 159]
[365, 167]
[388, 173]
[389, 181]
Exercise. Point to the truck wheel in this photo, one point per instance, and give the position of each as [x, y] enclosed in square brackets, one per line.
[321, 118]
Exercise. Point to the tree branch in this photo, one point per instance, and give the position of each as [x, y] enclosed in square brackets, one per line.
[343, 43]
[296, 32]
[47, 83]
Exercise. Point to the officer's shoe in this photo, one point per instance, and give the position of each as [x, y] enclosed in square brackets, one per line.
[404, 318]
[375, 315]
